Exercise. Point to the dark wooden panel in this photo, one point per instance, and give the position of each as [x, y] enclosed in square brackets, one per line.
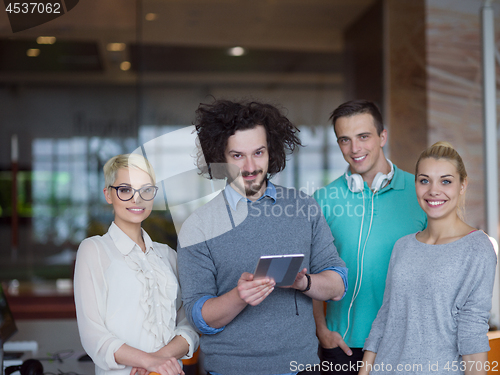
[28, 302]
[364, 57]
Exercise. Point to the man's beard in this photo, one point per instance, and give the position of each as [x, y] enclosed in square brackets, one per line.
[252, 187]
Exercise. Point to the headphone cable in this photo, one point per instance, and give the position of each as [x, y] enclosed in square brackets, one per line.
[359, 269]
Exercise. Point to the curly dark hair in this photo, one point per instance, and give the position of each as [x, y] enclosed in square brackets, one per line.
[217, 121]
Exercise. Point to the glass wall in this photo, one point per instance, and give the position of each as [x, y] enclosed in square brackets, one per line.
[109, 85]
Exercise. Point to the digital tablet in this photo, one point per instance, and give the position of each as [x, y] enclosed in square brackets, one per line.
[282, 268]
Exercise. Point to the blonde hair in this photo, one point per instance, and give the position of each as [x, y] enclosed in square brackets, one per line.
[126, 161]
[443, 150]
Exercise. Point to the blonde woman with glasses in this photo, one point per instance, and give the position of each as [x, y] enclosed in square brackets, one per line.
[128, 303]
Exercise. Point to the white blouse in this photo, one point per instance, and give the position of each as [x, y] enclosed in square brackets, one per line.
[126, 296]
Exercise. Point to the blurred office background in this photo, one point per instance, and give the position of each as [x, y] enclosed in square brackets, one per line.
[112, 75]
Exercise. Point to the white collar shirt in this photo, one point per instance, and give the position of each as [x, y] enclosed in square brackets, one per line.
[126, 296]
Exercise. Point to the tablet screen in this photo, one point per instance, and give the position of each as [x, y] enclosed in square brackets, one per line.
[282, 268]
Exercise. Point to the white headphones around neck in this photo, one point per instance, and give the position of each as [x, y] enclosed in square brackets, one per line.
[356, 185]
[355, 181]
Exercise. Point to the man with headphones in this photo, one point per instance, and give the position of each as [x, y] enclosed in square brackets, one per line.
[368, 209]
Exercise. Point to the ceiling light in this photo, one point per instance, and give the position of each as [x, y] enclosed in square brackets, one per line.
[33, 52]
[236, 51]
[125, 65]
[46, 39]
[151, 16]
[116, 47]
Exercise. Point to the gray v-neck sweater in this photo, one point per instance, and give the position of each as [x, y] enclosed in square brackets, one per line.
[436, 306]
[218, 244]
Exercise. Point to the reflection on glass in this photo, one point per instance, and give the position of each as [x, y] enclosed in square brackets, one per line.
[66, 185]
[60, 201]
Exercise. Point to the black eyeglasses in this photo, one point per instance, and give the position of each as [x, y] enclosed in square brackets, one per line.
[125, 193]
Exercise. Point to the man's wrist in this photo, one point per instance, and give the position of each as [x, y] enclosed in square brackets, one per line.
[322, 333]
[238, 300]
[308, 287]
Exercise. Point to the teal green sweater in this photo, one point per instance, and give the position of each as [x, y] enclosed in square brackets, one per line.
[396, 213]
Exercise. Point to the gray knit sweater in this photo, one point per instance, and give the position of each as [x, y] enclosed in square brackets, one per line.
[267, 338]
[436, 306]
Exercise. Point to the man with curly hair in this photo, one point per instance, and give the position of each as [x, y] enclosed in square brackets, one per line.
[249, 325]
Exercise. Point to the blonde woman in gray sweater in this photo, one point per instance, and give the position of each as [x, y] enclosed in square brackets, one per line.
[434, 318]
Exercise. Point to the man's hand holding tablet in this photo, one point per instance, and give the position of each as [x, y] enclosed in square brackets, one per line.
[271, 271]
